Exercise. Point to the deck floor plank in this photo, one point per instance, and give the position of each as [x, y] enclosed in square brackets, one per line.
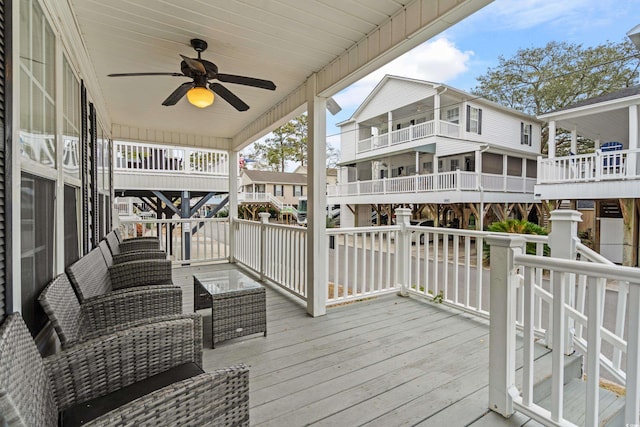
[381, 362]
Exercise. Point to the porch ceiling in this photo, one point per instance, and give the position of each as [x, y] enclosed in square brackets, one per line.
[285, 41]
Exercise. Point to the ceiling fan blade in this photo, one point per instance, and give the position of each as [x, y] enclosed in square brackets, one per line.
[194, 64]
[226, 94]
[145, 74]
[178, 94]
[248, 81]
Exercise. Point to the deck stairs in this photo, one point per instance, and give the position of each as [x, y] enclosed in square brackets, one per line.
[611, 406]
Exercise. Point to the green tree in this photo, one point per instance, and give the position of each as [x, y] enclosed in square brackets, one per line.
[518, 226]
[543, 79]
[287, 143]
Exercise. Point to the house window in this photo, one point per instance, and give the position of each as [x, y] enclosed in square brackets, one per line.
[525, 134]
[455, 164]
[37, 211]
[260, 188]
[452, 115]
[278, 190]
[474, 119]
[297, 191]
[427, 167]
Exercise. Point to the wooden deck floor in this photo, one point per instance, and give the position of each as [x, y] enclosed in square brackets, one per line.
[388, 361]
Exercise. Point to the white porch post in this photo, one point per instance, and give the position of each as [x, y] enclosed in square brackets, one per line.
[562, 241]
[317, 261]
[502, 324]
[551, 141]
[389, 126]
[574, 141]
[233, 202]
[505, 165]
[403, 216]
[633, 141]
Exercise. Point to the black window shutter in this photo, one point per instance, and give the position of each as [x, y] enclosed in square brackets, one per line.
[530, 134]
[479, 121]
[84, 144]
[468, 118]
[521, 133]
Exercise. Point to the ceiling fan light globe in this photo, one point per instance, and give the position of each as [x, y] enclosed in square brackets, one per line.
[201, 97]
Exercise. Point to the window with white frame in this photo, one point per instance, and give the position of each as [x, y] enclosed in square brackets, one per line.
[474, 119]
[455, 164]
[278, 190]
[452, 115]
[297, 191]
[525, 133]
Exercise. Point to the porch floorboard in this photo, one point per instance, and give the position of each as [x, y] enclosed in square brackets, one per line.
[381, 362]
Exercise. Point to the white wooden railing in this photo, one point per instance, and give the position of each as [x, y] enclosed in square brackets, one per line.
[276, 252]
[411, 133]
[261, 198]
[574, 292]
[209, 242]
[598, 166]
[166, 159]
[444, 181]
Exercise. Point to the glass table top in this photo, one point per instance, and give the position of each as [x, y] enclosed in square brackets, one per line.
[222, 281]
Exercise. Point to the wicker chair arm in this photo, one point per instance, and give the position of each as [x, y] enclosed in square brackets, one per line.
[114, 308]
[100, 366]
[197, 328]
[144, 272]
[138, 256]
[219, 398]
[139, 245]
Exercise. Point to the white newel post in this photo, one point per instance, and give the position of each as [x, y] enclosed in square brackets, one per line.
[502, 324]
[403, 216]
[562, 241]
[264, 220]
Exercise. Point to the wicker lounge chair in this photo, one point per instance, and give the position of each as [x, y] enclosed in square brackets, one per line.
[135, 377]
[91, 276]
[119, 246]
[111, 312]
[119, 258]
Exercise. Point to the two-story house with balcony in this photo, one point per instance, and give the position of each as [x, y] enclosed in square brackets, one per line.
[610, 175]
[453, 157]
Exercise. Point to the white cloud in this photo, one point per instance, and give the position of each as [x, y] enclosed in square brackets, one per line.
[438, 61]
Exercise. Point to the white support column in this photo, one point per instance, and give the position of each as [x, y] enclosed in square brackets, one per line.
[317, 253]
[504, 172]
[551, 141]
[632, 158]
[389, 126]
[234, 159]
[403, 248]
[524, 175]
[502, 326]
[562, 241]
[14, 280]
[574, 142]
[417, 163]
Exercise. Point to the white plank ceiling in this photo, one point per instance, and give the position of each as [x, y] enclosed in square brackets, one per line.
[285, 41]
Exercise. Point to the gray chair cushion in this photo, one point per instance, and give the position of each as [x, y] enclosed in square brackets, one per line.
[90, 275]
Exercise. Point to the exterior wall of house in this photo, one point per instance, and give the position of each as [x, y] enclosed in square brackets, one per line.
[393, 95]
[348, 140]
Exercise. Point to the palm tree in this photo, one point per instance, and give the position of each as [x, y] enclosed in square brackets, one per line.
[518, 226]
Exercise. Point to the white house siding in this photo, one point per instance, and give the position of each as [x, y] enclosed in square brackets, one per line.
[170, 182]
[348, 141]
[501, 129]
[393, 95]
[454, 146]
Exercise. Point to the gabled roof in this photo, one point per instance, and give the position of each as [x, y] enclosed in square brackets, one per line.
[271, 177]
[465, 95]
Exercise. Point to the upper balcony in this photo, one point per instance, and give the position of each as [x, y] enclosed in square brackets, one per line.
[139, 166]
[408, 134]
[596, 175]
[462, 187]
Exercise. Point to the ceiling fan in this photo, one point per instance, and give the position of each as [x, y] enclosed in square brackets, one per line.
[201, 71]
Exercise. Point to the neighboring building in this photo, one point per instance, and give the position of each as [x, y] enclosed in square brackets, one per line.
[609, 175]
[286, 187]
[452, 156]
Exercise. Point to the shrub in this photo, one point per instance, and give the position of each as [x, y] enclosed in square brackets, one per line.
[518, 226]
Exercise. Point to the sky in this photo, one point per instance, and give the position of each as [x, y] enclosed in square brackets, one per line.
[469, 48]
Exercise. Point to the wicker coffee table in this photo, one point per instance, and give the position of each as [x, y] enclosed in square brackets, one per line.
[237, 303]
